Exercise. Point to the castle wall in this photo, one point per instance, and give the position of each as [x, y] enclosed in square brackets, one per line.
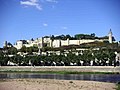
[86, 41]
[56, 43]
[46, 40]
[74, 42]
[19, 45]
[64, 43]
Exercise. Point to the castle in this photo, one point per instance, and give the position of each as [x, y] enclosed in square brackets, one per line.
[47, 41]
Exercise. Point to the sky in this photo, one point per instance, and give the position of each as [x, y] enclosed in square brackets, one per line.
[26, 19]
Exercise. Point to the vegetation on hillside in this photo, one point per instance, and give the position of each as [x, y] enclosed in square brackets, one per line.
[94, 53]
[98, 57]
[78, 37]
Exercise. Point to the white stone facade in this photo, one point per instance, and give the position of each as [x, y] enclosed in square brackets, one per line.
[40, 42]
[117, 56]
[19, 45]
[47, 41]
[110, 36]
[56, 43]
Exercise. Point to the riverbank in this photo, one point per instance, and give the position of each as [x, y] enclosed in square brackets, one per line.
[61, 69]
[51, 84]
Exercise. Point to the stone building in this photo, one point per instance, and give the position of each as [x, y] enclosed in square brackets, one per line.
[48, 42]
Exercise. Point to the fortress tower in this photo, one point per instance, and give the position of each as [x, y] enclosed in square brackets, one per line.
[5, 44]
[68, 41]
[110, 36]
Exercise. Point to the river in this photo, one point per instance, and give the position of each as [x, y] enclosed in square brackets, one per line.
[91, 77]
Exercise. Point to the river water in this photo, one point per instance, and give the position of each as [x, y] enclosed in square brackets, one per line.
[91, 77]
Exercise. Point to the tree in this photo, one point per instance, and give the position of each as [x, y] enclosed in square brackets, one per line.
[23, 49]
[1, 58]
[93, 34]
[9, 44]
[18, 59]
[12, 50]
[52, 37]
[29, 50]
[85, 36]
[68, 36]
[32, 39]
[111, 56]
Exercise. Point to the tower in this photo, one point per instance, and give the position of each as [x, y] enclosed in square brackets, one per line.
[5, 44]
[110, 36]
[51, 43]
[68, 41]
[42, 43]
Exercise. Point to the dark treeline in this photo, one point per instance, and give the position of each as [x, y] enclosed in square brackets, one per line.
[78, 37]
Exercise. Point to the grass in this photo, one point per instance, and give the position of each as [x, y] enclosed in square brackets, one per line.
[118, 86]
[57, 72]
[2, 80]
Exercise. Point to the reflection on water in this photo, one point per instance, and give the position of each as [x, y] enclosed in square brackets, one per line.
[92, 77]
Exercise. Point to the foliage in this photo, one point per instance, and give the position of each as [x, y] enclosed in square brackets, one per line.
[29, 50]
[62, 37]
[23, 49]
[67, 55]
[12, 50]
[85, 36]
[98, 57]
[118, 86]
[3, 59]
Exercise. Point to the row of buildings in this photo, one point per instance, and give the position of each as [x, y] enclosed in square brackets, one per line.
[47, 41]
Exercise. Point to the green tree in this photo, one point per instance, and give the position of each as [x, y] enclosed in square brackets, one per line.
[17, 59]
[29, 50]
[12, 50]
[3, 58]
[111, 56]
[23, 49]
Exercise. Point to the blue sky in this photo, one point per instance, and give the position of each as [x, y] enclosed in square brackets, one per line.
[26, 19]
